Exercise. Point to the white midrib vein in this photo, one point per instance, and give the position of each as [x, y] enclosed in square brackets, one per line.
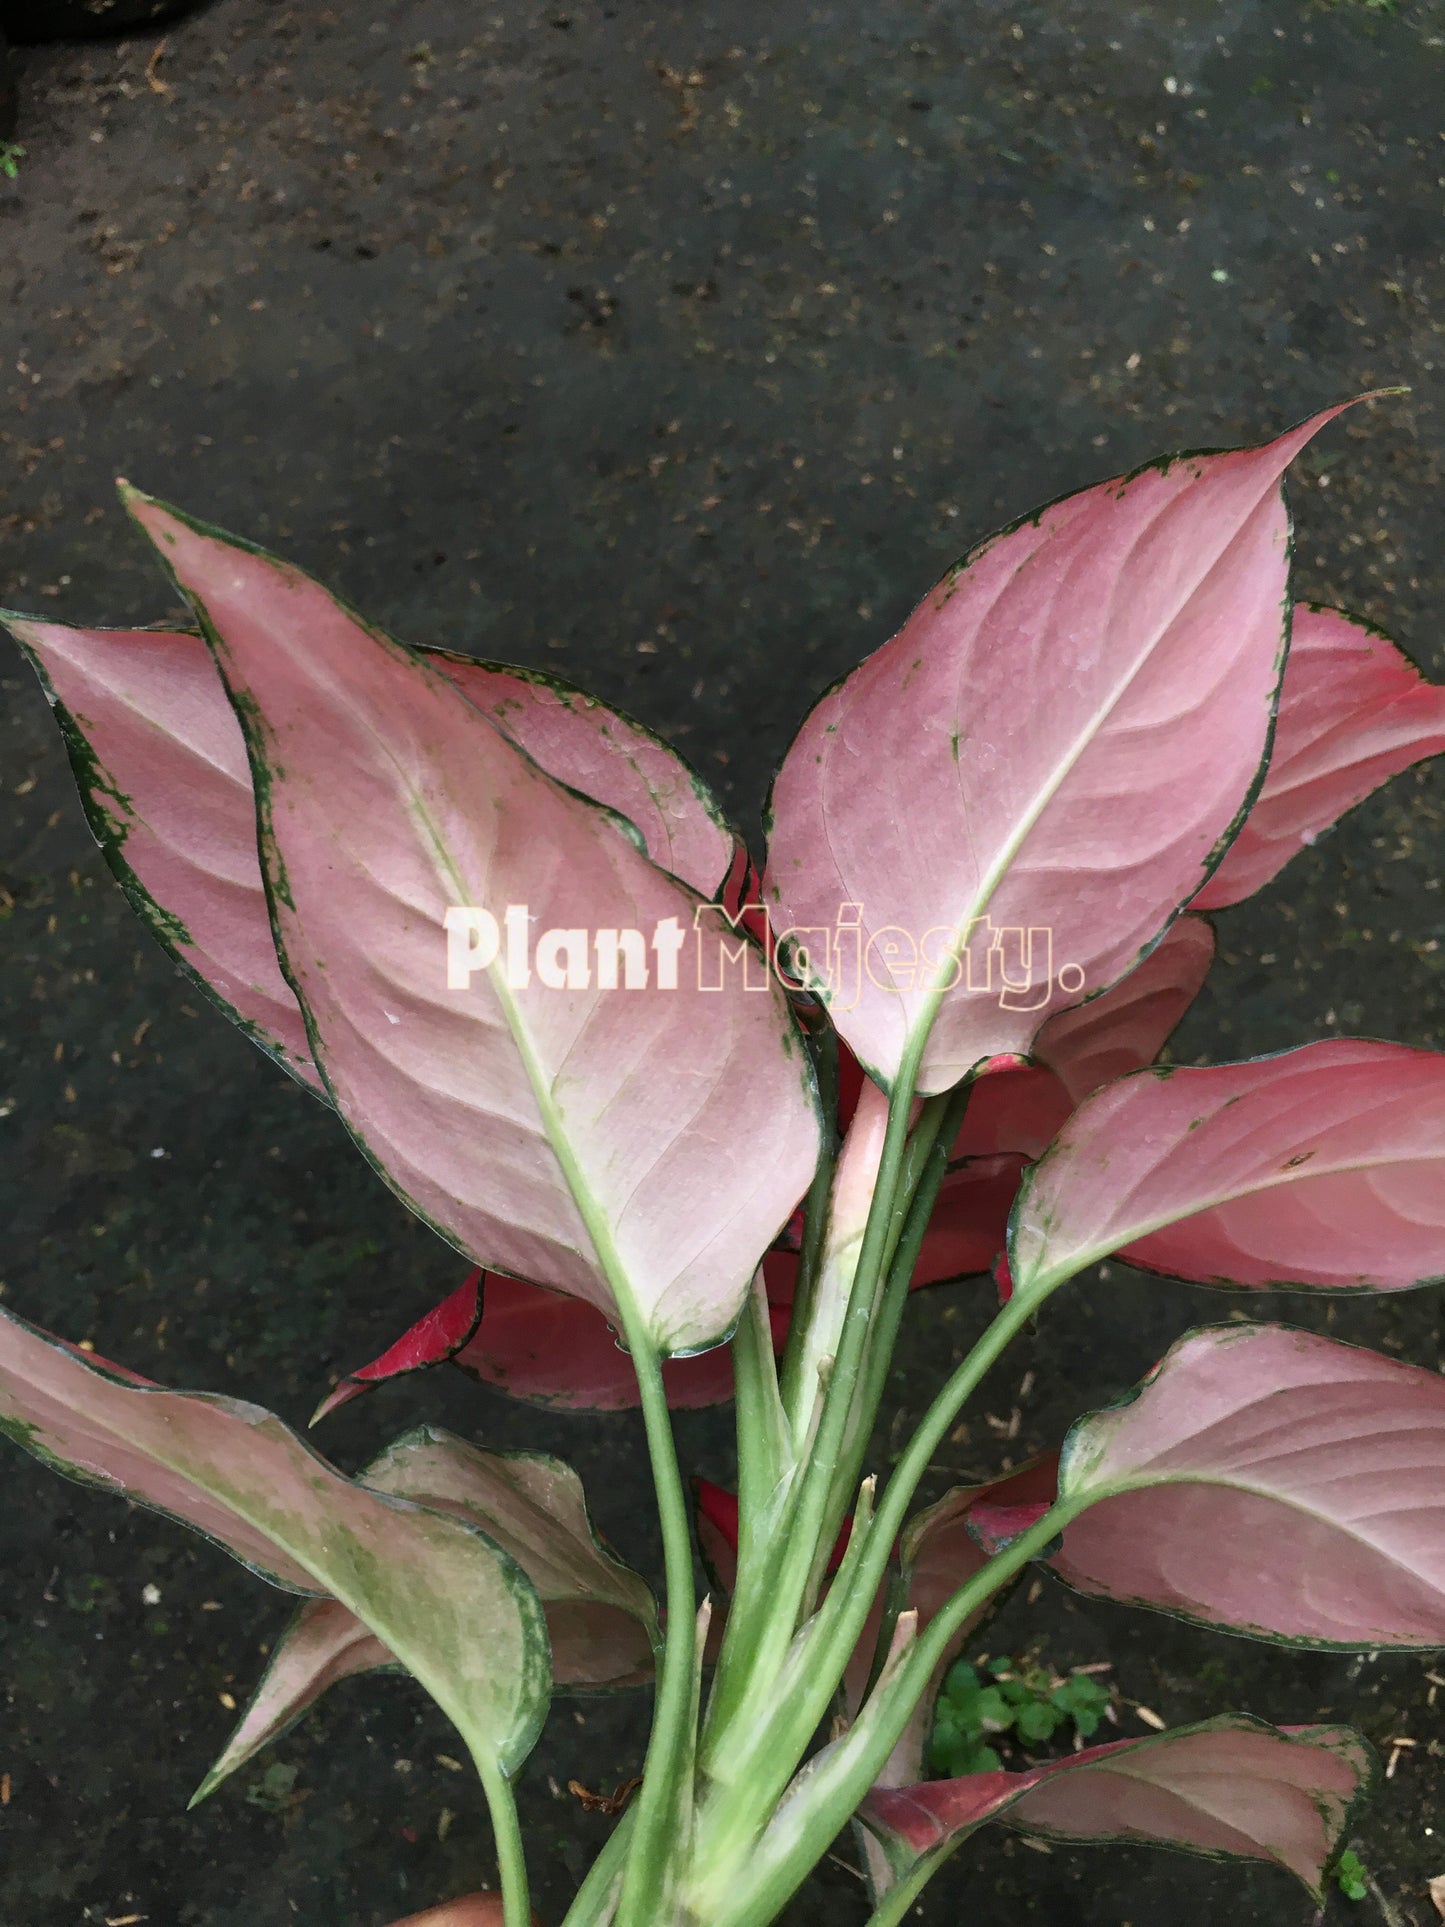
[594, 1219]
[1078, 1262]
[1029, 818]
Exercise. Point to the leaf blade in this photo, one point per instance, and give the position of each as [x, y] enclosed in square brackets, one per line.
[1158, 602]
[418, 1579]
[1319, 1168]
[1230, 1787]
[562, 1134]
[1253, 1454]
[1353, 712]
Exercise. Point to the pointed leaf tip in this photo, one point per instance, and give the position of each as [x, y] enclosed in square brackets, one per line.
[1123, 644]
[421, 1580]
[520, 1115]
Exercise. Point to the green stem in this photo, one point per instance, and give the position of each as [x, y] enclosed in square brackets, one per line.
[896, 1902]
[818, 1480]
[761, 1428]
[837, 1781]
[664, 1794]
[815, 1211]
[764, 1458]
[511, 1863]
[807, 1513]
[842, 1617]
[593, 1903]
[922, 1196]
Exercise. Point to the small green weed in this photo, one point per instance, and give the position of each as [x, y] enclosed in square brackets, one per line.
[1350, 1876]
[1014, 1699]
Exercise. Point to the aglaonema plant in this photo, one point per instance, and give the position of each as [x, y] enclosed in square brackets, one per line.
[700, 1133]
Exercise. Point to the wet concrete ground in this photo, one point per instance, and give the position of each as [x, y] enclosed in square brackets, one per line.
[677, 348]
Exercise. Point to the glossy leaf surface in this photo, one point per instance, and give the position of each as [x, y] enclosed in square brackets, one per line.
[638, 1149]
[1353, 712]
[1322, 1167]
[1060, 741]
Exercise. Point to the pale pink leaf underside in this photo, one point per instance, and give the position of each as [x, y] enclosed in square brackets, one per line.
[457, 1612]
[1353, 712]
[1230, 1787]
[1061, 739]
[602, 1141]
[1323, 1167]
[1126, 1028]
[1270, 1482]
[161, 763]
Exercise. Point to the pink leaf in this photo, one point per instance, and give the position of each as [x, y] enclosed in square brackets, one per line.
[1128, 1026]
[1321, 1167]
[161, 764]
[601, 1618]
[1230, 1787]
[324, 1643]
[611, 759]
[471, 1910]
[456, 1611]
[639, 1151]
[1271, 1482]
[1353, 712]
[1061, 740]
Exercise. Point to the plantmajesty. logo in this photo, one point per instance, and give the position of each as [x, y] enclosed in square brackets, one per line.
[1012, 963]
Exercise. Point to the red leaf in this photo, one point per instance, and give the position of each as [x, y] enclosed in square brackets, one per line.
[970, 1221]
[435, 1337]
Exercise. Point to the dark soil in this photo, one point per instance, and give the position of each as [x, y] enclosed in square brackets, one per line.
[676, 347]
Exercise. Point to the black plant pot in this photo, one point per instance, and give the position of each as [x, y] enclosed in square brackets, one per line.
[32, 20]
